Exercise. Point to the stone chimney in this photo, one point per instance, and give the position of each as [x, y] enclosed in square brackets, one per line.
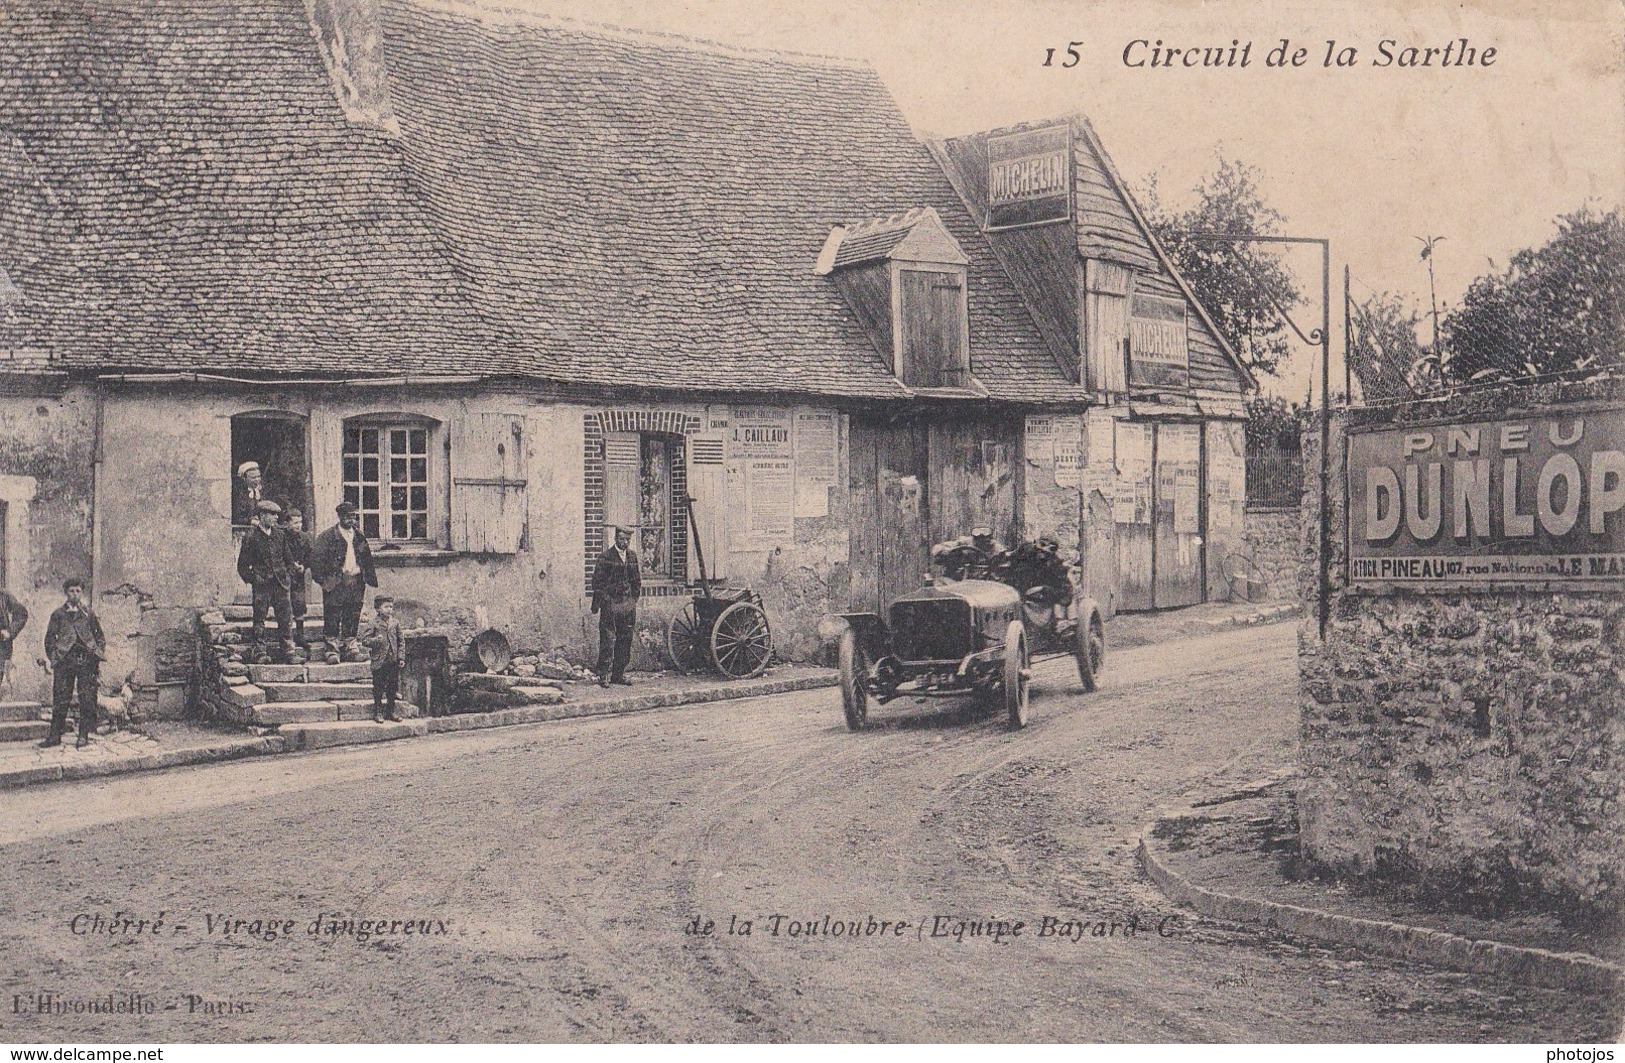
[350, 40]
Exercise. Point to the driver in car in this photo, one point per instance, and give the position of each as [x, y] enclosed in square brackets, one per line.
[980, 539]
[1039, 572]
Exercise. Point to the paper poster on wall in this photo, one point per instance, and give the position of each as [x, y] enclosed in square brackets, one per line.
[759, 432]
[1040, 442]
[1068, 461]
[817, 441]
[1187, 504]
[769, 503]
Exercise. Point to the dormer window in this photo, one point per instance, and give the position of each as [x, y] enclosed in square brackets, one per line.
[933, 345]
[904, 277]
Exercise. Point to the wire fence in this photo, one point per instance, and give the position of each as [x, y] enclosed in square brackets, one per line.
[1274, 479]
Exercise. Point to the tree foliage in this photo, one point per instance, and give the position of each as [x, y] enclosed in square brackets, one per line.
[1386, 357]
[1274, 426]
[1241, 285]
[1558, 308]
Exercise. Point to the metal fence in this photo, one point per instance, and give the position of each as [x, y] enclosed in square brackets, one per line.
[1274, 479]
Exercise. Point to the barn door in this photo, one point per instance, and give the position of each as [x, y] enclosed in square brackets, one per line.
[891, 511]
[1131, 513]
[972, 478]
[488, 507]
[1178, 516]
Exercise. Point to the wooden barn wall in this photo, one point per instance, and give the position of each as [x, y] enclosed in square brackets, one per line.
[1106, 228]
[973, 470]
[867, 290]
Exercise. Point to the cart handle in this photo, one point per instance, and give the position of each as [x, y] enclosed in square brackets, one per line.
[694, 537]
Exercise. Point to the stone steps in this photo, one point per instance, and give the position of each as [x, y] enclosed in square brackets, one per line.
[285, 714]
[348, 691]
[237, 613]
[307, 736]
[315, 672]
[20, 711]
[24, 730]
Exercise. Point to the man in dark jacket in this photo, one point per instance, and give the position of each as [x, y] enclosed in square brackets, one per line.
[293, 526]
[12, 618]
[341, 561]
[616, 584]
[74, 650]
[266, 565]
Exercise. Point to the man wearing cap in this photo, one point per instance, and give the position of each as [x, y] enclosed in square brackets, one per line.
[292, 524]
[74, 651]
[957, 566]
[266, 564]
[341, 562]
[246, 493]
[616, 584]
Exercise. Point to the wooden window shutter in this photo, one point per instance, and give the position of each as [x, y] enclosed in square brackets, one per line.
[933, 329]
[488, 507]
[623, 463]
[708, 484]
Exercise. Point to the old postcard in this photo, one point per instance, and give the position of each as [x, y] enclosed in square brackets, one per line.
[604, 520]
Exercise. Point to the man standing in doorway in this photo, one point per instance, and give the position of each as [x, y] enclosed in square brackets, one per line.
[74, 650]
[266, 564]
[12, 618]
[246, 493]
[341, 561]
[616, 584]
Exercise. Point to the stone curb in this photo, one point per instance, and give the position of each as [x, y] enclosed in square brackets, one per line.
[1527, 966]
[171, 758]
[278, 743]
[1268, 614]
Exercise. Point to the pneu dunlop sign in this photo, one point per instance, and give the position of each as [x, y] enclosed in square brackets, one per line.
[1535, 501]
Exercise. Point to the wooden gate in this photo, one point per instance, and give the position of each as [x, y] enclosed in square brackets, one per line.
[1132, 513]
[1178, 531]
[1157, 512]
[890, 511]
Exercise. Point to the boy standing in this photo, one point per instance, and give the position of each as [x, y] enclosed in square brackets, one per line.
[75, 650]
[293, 527]
[387, 649]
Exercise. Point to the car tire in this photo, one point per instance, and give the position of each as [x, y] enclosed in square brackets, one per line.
[1091, 652]
[1015, 675]
[854, 671]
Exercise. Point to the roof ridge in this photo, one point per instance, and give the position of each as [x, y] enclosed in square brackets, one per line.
[518, 17]
[901, 220]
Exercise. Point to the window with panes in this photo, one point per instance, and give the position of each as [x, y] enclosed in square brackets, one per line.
[386, 477]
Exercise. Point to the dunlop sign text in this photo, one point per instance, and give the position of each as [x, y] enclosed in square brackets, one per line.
[1531, 501]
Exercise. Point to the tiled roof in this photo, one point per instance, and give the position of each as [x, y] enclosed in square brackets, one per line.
[559, 202]
[178, 189]
[643, 211]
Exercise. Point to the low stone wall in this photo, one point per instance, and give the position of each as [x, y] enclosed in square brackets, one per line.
[1468, 744]
[1272, 541]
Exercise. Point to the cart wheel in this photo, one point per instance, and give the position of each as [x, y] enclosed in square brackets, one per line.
[685, 641]
[741, 643]
[854, 670]
[1015, 674]
[1091, 652]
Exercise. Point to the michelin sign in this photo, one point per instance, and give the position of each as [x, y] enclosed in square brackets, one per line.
[1485, 505]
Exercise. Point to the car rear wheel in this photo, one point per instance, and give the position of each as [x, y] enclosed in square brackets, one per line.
[854, 671]
[1015, 674]
[1091, 652]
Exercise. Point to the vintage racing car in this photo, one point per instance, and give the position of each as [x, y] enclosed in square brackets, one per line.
[976, 634]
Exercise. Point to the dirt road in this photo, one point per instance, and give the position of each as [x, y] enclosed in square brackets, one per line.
[550, 878]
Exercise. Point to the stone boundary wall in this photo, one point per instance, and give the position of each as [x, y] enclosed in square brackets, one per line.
[1471, 745]
[1272, 541]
